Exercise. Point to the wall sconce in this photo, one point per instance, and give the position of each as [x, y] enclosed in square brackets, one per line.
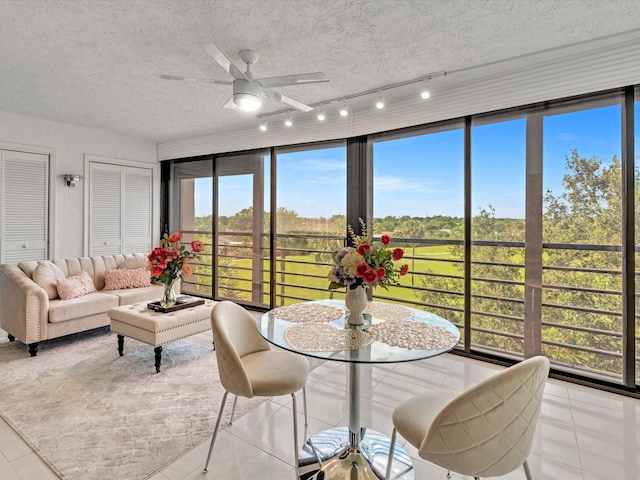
[71, 180]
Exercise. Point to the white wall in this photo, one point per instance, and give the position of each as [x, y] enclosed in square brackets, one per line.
[67, 145]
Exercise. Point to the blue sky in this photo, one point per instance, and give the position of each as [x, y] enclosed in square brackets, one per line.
[423, 175]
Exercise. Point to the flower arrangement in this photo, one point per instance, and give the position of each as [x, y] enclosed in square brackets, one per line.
[170, 260]
[368, 263]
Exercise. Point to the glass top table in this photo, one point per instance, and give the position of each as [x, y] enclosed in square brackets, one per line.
[391, 333]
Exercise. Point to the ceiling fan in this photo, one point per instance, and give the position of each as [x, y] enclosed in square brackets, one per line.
[248, 91]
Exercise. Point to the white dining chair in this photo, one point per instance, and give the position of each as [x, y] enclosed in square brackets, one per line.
[486, 431]
[248, 367]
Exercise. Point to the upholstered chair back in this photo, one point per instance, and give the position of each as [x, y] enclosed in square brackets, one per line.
[488, 430]
[235, 335]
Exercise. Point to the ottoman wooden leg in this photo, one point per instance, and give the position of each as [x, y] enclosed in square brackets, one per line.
[158, 351]
[120, 344]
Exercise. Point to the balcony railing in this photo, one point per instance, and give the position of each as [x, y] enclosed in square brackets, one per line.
[437, 284]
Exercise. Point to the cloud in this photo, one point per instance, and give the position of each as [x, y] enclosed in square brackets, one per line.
[567, 136]
[326, 180]
[387, 184]
[318, 165]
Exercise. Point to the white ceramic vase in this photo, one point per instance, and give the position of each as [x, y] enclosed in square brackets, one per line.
[356, 302]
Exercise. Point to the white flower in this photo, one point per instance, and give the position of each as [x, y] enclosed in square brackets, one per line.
[350, 261]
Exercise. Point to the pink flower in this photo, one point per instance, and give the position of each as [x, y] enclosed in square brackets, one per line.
[369, 276]
[174, 237]
[364, 249]
[397, 254]
[187, 270]
[385, 239]
[197, 246]
[404, 269]
[381, 273]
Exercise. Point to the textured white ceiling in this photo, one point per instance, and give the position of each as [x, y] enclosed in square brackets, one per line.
[93, 62]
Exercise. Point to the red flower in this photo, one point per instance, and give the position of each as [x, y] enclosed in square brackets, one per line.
[361, 269]
[197, 246]
[397, 254]
[174, 237]
[404, 269]
[364, 249]
[381, 273]
[369, 276]
[156, 272]
[385, 239]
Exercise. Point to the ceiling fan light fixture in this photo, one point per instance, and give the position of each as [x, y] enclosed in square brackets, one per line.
[247, 101]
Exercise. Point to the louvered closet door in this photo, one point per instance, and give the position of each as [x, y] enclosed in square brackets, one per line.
[137, 210]
[105, 209]
[24, 221]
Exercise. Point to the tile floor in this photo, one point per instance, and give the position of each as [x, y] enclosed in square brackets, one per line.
[582, 433]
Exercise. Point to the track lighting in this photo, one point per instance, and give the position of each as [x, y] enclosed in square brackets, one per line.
[321, 115]
[425, 93]
[380, 101]
[344, 110]
[263, 125]
[288, 121]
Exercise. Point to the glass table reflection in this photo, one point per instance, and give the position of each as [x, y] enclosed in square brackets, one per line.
[354, 452]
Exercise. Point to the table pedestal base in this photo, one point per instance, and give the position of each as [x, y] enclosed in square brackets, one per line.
[329, 455]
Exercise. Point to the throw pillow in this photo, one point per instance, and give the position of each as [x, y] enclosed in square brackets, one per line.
[123, 278]
[47, 274]
[75, 286]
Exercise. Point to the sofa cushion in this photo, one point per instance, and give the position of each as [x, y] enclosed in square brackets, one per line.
[134, 295]
[46, 275]
[75, 286]
[134, 261]
[91, 304]
[124, 278]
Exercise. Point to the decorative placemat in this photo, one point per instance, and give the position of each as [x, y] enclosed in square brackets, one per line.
[324, 337]
[388, 311]
[412, 335]
[307, 312]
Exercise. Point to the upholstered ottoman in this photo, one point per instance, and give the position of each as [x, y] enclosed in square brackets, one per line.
[155, 328]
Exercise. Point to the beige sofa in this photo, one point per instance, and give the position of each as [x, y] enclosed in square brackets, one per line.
[32, 311]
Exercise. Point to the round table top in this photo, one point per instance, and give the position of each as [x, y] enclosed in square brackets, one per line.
[317, 323]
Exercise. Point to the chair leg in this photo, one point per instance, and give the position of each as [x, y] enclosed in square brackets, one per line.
[392, 447]
[304, 401]
[295, 435]
[448, 475]
[527, 472]
[233, 409]
[215, 430]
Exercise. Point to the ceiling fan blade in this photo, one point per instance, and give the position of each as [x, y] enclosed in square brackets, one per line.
[299, 79]
[230, 103]
[224, 61]
[192, 79]
[289, 101]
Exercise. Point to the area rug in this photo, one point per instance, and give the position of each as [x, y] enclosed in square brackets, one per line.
[91, 414]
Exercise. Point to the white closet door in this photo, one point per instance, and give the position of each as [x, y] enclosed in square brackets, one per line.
[137, 210]
[105, 209]
[24, 219]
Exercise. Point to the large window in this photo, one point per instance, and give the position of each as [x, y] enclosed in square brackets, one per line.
[310, 220]
[512, 225]
[582, 225]
[498, 159]
[418, 198]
